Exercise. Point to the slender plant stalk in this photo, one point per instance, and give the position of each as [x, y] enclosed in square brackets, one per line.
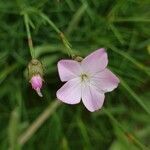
[30, 43]
[61, 34]
[51, 23]
[25, 136]
[65, 41]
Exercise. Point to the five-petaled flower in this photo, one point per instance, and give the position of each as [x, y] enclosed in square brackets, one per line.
[88, 80]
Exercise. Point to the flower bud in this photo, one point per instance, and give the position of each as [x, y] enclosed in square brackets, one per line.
[35, 70]
[36, 82]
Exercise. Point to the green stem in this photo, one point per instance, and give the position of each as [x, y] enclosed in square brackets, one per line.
[49, 22]
[67, 45]
[30, 43]
[61, 34]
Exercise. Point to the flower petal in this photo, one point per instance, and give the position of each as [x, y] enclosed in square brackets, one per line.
[68, 69]
[92, 99]
[95, 62]
[70, 92]
[38, 90]
[105, 80]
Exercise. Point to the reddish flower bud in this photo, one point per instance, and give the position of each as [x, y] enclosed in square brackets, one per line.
[35, 70]
[36, 82]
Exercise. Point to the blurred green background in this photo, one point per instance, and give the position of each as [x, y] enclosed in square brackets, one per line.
[30, 122]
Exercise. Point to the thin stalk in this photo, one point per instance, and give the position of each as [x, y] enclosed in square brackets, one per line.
[30, 43]
[65, 41]
[49, 22]
[25, 136]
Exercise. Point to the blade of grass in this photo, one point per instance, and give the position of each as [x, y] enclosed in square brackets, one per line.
[7, 71]
[65, 41]
[70, 4]
[13, 130]
[76, 18]
[131, 138]
[117, 33]
[133, 19]
[64, 144]
[25, 136]
[134, 95]
[84, 133]
[131, 59]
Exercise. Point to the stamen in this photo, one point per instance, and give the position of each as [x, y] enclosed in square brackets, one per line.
[84, 77]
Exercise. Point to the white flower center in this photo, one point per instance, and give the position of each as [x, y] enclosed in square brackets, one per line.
[84, 77]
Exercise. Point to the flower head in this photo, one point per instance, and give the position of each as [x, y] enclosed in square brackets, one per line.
[36, 82]
[88, 80]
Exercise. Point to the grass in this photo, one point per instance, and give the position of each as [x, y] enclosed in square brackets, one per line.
[52, 30]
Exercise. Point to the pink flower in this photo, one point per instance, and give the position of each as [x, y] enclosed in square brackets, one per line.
[36, 82]
[88, 80]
